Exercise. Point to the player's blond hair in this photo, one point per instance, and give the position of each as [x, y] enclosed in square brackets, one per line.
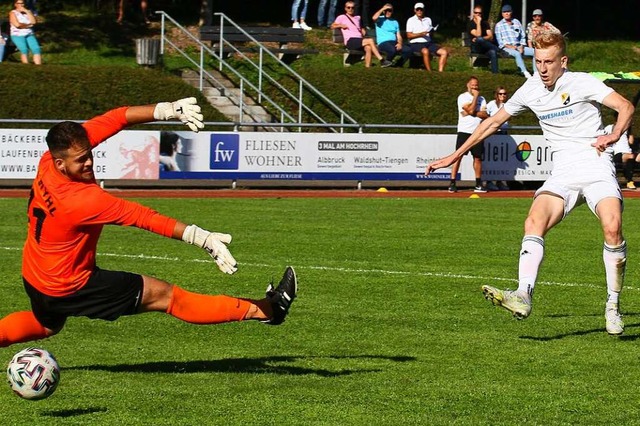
[547, 39]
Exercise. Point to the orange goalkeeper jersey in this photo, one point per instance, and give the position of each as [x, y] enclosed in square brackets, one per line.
[67, 217]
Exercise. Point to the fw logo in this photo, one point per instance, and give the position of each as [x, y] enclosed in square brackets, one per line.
[224, 151]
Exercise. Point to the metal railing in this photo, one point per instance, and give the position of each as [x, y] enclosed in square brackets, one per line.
[259, 75]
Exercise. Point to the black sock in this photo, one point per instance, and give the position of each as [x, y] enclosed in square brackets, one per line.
[478, 182]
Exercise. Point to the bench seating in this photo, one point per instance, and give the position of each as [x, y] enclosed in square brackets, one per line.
[283, 36]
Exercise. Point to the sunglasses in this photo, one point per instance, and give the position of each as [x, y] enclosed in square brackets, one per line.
[502, 94]
[348, 7]
[477, 13]
[420, 8]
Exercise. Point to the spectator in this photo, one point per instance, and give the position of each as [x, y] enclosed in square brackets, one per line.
[419, 29]
[500, 96]
[538, 25]
[511, 39]
[624, 154]
[299, 23]
[388, 35]
[353, 35]
[322, 13]
[472, 109]
[481, 38]
[143, 10]
[22, 22]
[3, 43]
[364, 13]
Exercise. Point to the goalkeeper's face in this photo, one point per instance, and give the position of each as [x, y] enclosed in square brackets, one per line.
[77, 163]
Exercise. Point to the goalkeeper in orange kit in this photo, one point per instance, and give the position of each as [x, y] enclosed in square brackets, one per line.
[67, 211]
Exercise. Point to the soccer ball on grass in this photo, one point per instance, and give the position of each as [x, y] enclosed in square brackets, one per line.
[33, 373]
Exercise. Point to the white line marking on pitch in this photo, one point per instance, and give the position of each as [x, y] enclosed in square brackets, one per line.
[351, 270]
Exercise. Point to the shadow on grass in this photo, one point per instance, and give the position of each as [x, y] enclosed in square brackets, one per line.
[583, 333]
[262, 365]
[74, 412]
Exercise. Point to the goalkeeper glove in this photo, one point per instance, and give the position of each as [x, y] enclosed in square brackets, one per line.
[215, 244]
[186, 110]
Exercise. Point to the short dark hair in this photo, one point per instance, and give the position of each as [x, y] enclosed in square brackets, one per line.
[65, 134]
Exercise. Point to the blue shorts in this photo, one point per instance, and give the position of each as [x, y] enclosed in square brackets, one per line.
[26, 43]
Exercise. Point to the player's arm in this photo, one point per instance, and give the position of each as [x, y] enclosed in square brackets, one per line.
[104, 126]
[483, 131]
[94, 206]
[625, 110]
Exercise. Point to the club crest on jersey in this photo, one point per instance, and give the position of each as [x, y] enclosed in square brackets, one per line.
[566, 98]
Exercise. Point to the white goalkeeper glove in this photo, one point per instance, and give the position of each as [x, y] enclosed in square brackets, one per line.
[186, 110]
[215, 244]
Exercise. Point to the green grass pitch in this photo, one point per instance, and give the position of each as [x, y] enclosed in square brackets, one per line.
[390, 327]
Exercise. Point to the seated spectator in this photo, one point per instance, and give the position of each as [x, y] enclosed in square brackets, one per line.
[3, 43]
[419, 29]
[511, 39]
[538, 25]
[388, 36]
[353, 35]
[22, 22]
[481, 38]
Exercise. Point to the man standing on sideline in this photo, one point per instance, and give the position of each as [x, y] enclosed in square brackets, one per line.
[353, 35]
[567, 105]
[66, 212]
[512, 39]
[472, 109]
[388, 35]
[481, 38]
[419, 29]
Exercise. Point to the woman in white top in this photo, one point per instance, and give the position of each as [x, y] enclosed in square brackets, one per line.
[500, 96]
[22, 22]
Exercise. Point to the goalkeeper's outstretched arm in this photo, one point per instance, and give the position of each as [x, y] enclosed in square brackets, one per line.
[213, 243]
[186, 110]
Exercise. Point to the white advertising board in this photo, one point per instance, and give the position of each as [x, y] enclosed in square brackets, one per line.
[322, 156]
[273, 156]
[127, 155]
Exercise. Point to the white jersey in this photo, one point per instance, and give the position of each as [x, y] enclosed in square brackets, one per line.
[492, 109]
[417, 25]
[569, 116]
[622, 146]
[468, 123]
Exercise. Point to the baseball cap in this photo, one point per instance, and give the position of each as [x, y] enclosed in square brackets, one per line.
[418, 6]
[537, 12]
[507, 8]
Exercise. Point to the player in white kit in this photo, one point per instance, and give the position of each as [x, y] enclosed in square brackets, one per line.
[567, 105]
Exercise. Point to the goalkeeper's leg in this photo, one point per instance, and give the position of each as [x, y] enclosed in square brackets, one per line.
[21, 327]
[198, 308]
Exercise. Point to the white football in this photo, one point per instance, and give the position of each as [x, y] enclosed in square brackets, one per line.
[33, 373]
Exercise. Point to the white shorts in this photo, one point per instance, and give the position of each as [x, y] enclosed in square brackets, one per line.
[586, 181]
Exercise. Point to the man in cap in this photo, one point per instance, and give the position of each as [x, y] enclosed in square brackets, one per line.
[419, 29]
[538, 25]
[511, 39]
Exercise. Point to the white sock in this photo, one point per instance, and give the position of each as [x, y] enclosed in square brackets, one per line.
[615, 262]
[531, 255]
